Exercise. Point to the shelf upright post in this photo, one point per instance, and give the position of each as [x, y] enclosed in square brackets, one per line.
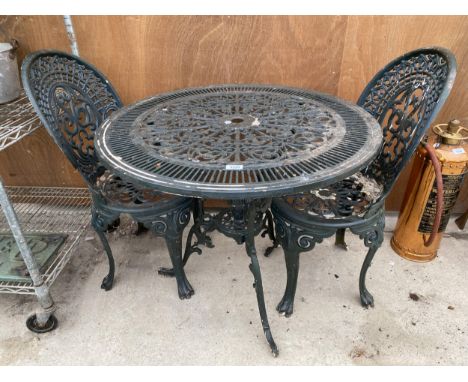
[47, 306]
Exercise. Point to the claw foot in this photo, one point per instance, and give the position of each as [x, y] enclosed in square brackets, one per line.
[185, 290]
[269, 250]
[107, 283]
[367, 299]
[208, 242]
[285, 307]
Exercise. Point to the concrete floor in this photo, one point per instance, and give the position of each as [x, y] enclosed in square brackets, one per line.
[143, 322]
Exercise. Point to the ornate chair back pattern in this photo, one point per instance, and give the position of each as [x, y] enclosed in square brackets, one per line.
[404, 97]
[72, 98]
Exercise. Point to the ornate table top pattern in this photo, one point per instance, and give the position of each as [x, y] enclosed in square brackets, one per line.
[238, 141]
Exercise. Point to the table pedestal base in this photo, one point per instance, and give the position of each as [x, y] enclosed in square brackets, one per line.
[242, 222]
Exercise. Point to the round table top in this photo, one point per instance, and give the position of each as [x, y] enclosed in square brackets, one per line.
[238, 141]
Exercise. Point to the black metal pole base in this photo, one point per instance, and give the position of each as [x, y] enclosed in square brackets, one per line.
[242, 222]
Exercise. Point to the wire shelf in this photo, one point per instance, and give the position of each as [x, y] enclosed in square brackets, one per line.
[17, 119]
[48, 210]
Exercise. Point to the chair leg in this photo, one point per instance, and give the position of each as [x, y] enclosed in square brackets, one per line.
[174, 245]
[340, 239]
[366, 298]
[101, 221]
[286, 304]
[373, 238]
[189, 249]
[108, 281]
[294, 240]
[170, 225]
[198, 232]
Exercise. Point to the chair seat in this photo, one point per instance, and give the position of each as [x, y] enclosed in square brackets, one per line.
[351, 197]
[120, 192]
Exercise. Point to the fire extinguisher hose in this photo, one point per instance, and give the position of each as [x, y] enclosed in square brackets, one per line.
[440, 192]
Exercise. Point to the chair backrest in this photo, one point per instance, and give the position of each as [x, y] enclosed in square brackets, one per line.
[72, 98]
[405, 97]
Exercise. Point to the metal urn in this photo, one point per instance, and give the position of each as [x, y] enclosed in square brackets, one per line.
[10, 86]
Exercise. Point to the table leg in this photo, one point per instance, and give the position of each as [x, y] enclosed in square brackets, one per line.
[255, 269]
[44, 320]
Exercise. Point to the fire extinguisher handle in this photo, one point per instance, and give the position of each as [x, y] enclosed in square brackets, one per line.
[440, 192]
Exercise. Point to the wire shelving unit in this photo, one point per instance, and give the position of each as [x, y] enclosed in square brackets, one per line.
[38, 210]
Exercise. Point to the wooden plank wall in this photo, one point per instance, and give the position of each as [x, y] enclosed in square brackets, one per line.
[144, 55]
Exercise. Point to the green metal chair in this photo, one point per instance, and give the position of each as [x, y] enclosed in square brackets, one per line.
[405, 96]
[72, 99]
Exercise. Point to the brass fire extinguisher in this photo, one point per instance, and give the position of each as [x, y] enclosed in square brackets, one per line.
[436, 177]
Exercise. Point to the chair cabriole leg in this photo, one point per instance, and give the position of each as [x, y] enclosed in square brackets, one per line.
[197, 231]
[171, 226]
[100, 222]
[286, 305]
[366, 298]
[174, 245]
[108, 281]
[372, 234]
